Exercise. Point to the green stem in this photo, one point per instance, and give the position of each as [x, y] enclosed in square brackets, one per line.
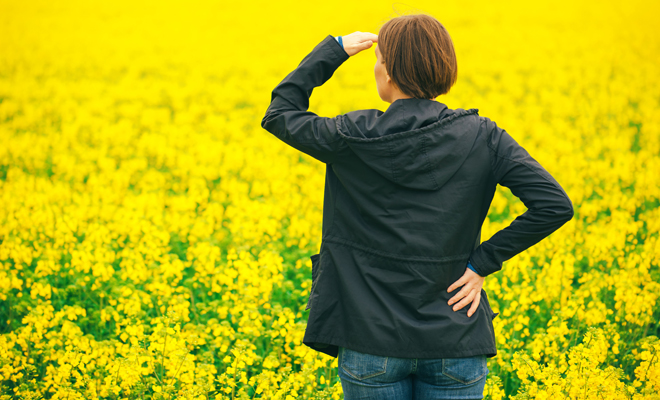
[162, 355]
[233, 388]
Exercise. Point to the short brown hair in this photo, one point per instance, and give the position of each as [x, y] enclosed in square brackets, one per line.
[419, 55]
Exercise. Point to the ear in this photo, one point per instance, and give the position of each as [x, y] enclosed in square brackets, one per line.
[389, 80]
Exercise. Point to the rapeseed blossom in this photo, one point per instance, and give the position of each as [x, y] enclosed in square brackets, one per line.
[155, 240]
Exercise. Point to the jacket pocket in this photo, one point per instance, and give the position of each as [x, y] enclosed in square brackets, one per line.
[487, 303]
[315, 276]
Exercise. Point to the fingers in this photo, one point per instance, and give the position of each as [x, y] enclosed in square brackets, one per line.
[475, 305]
[470, 292]
[457, 284]
[466, 300]
[368, 36]
[365, 36]
[358, 41]
[462, 293]
[366, 45]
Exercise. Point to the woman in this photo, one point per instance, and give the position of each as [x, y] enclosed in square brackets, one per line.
[406, 193]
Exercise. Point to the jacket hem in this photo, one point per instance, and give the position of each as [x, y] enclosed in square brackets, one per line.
[330, 345]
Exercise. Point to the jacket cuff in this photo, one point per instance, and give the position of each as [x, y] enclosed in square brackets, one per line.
[336, 47]
[483, 266]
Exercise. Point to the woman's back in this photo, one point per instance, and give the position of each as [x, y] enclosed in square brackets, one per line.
[413, 191]
[402, 216]
[406, 193]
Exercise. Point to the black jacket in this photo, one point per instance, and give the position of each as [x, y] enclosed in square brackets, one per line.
[406, 193]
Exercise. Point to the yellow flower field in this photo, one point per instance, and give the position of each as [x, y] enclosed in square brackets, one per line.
[155, 240]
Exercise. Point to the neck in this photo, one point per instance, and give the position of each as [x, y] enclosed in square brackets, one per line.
[397, 96]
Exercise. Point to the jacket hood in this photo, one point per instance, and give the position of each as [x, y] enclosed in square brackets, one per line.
[416, 143]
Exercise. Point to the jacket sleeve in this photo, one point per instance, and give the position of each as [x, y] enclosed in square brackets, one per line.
[548, 205]
[287, 117]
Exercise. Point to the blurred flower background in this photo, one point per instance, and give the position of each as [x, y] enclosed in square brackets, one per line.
[155, 240]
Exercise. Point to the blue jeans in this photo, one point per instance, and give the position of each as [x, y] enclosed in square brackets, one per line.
[366, 376]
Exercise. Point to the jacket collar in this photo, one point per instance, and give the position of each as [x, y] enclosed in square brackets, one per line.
[404, 115]
[417, 143]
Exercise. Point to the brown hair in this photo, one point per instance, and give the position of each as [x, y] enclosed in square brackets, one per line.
[419, 55]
